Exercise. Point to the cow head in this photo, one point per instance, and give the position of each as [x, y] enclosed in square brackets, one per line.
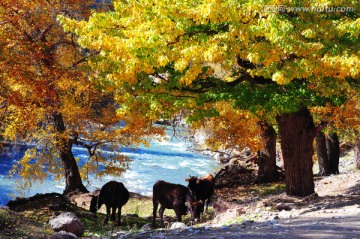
[94, 205]
[195, 209]
[192, 180]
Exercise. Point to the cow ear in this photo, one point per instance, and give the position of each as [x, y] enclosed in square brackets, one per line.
[198, 181]
[187, 204]
[187, 179]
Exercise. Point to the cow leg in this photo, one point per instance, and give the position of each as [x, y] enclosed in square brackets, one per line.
[119, 216]
[161, 215]
[107, 214]
[113, 213]
[207, 204]
[155, 206]
[178, 213]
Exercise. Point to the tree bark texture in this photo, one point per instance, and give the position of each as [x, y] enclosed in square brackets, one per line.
[333, 146]
[72, 175]
[297, 133]
[322, 154]
[267, 171]
[357, 155]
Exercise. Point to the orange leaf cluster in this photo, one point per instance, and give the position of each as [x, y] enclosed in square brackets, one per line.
[231, 129]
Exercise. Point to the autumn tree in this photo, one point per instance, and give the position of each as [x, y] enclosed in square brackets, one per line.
[348, 124]
[53, 102]
[230, 128]
[234, 129]
[275, 60]
[346, 121]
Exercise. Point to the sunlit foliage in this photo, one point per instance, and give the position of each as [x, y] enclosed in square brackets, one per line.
[301, 57]
[272, 57]
[231, 129]
[344, 120]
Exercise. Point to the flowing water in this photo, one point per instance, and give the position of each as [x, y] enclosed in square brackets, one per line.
[170, 160]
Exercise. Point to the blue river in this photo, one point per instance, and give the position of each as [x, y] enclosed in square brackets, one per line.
[170, 160]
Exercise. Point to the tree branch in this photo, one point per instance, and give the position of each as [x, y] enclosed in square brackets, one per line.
[208, 32]
[42, 36]
[321, 126]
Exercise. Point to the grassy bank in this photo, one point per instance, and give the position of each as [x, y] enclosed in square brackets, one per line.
[32, 217]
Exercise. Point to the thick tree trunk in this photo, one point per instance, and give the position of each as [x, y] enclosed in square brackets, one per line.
[297, 133]
[64, 145]
[322, 154]
[72, 174]
[357, 155]
[333, 147]
[267, 157]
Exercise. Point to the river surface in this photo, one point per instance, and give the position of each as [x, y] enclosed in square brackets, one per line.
[169, 160]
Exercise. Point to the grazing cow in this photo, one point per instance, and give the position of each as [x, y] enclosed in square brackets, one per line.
[203, 188]
[177, 197]
[114, 195]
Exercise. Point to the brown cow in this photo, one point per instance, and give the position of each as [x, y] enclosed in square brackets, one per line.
[114, 195]
[177, 197]
[203, 188]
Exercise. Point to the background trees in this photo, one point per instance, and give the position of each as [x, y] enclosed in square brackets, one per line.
[50, 100]
[342, 121]
[281, 62]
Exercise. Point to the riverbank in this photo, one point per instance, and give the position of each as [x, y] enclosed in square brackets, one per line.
[168, 160]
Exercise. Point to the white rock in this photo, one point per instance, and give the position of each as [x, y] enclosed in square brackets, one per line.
[68, 222]
[178, 225]
[146, 227]
[63, 235]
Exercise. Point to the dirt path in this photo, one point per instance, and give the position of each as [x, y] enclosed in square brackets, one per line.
[321, 217]
[345, 227]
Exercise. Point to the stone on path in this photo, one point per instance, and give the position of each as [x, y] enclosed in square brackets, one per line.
[63, 235]
[68, 222]
[178, 225]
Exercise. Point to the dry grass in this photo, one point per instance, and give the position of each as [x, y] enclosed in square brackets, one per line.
[15, 225]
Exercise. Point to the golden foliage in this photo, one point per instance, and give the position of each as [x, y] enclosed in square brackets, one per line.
[232, 128]
[319, 48]
[344, 120]
[141, 35]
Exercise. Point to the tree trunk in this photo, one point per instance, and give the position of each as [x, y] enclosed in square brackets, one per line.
[322, 154]
[64, 145]
[297, 133]
[333, 147]
[267, 171]
[357, 155]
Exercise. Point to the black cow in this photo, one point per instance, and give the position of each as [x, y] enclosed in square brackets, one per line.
[203, 188]
[114, 195]
[177, 197]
